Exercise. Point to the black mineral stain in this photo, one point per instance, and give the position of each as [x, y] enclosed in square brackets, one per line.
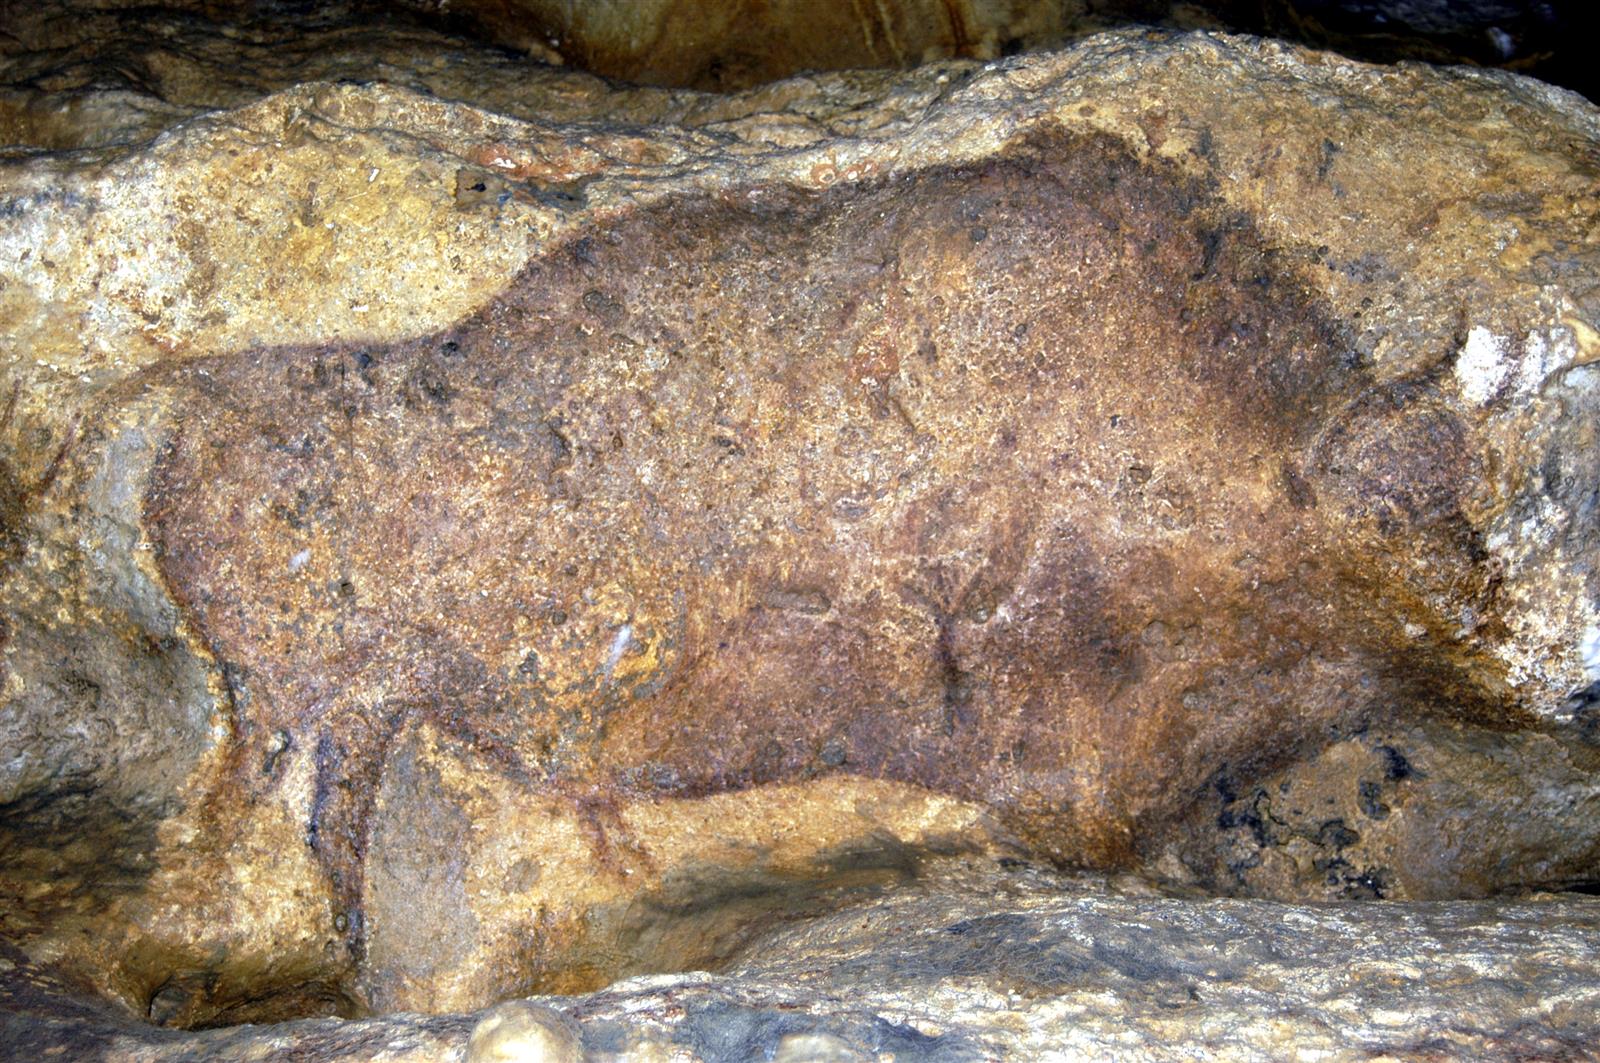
[1396, 767]
[1335, 834]
[1370, 797]
[1329, 152]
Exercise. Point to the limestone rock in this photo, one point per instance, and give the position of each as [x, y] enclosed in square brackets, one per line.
[94, 75]
[976, 963]
[98, 73]
[452, 555]
[1434, 810]
[523, 1032]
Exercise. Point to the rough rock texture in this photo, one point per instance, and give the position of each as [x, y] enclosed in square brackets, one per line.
[451, 555]
[92, 73]
[981, 963]
[1433, 810]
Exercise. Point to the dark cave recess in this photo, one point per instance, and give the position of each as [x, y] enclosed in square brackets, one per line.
[724, 45]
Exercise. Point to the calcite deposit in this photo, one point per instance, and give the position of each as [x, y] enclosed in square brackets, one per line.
[468, 531]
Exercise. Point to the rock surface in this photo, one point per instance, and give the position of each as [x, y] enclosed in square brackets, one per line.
[1433, 810]
[979, 963]
[452, 555]
[523, 1032]
[94, 73]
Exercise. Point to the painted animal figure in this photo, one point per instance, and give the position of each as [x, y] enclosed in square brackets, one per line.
[1044, 483]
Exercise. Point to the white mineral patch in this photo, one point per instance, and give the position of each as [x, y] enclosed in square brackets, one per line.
[1482, 365]
[619, 646]
[1543, 353]
[1555, 638]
